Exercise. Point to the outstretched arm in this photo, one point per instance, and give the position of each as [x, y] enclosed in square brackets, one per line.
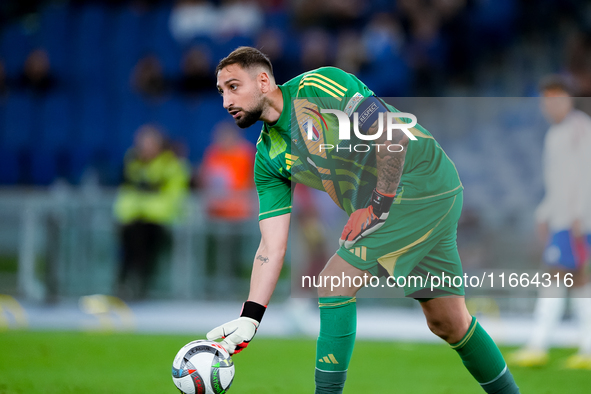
[269, 258]
[268, 261]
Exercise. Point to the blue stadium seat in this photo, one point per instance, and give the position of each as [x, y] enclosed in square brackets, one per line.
[53, 36]
[19, 121]
[198, 136]
[292, 48]
[388, 77]
[15, 45]
[493, 22]
[163, 43]
[9, 167]
[94, 130]
[89, 49]
[172, 116]
[124, 48]
[131, 114]
[277, 19]
[55, 122]
[43, 166]
[93, 124]
[2, 116]
[80, 159]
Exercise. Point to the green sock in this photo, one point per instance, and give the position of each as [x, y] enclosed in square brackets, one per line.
[484, 361]
[338, 324]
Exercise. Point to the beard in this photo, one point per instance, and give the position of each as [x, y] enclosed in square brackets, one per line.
[250, 117]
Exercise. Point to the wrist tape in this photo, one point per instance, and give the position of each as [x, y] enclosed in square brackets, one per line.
[253, 310]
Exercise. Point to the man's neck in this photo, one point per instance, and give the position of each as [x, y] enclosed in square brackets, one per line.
[274, 106]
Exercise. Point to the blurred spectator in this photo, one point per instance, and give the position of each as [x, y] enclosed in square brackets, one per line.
[382, 36]
[578, 62]
[148, 78]
[330, 14]
[307, 13]
[149, 200]
[240, 18]
[272, 43]
[564, 225]
[36, 75]
[192, 18]
[426, 51]
[316, 50]
[448, 9]
[351, 55]
[273, 5]
[387, 72]
[410, 8]
[226, 174]
[197, 73]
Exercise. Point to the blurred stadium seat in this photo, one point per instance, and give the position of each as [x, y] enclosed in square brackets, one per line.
[92, 121]
[53, 35]
[88, 56]
[124, 40]
[162, 43]
[131, 113]
[15, 45]
[202, 117]
[55, 122]
[19, 121]
[172, 116]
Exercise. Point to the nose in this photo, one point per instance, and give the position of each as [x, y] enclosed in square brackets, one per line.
[227, 102]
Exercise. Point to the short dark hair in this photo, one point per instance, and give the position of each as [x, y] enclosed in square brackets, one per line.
[556, 82]
[245, 57]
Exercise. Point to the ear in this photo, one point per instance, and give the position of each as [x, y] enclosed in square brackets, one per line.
[264, 81]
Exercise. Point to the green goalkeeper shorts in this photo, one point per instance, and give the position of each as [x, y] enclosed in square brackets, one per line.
[417, 241]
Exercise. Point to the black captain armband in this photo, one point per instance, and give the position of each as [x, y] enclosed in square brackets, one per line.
[253, 310]
[368, 112]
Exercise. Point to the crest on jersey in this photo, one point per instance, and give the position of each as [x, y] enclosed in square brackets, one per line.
[310, 121]
[311, 125]
[311, 130]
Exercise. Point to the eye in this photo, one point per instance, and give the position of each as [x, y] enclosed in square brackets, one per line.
[233, 87]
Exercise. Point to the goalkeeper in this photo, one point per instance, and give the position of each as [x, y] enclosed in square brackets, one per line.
[403, 197]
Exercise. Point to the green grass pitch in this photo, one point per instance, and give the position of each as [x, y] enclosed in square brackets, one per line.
[89, 363]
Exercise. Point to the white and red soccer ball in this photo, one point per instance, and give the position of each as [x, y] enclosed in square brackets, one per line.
[203, 367]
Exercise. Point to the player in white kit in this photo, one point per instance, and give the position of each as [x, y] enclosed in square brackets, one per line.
[564, 224]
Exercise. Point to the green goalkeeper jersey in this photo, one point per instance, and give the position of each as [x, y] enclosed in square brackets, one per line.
[303, 146]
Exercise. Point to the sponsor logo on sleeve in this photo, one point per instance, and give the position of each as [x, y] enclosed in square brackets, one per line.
[352, 104]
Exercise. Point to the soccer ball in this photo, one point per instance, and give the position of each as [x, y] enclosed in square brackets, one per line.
[203, 367]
